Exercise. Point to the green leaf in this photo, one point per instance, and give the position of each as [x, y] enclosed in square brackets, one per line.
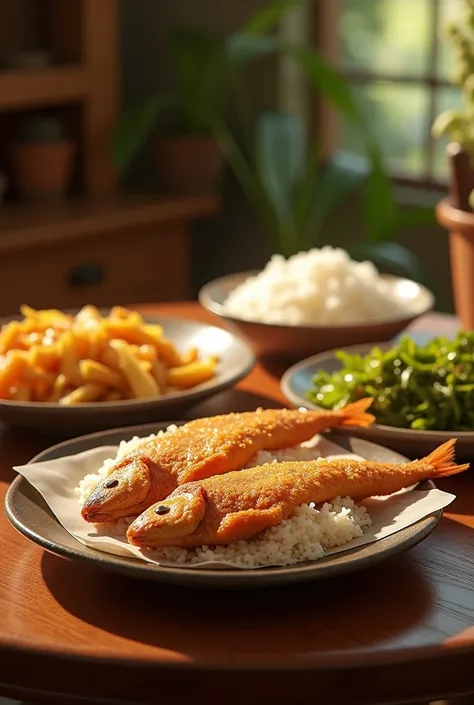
[268, 17]
[321, 74]
[249, 182]
[410, 217]
[339, 179]
[280, 147]
[391, 256]
[304, 196]
[327, 80]
[380, 208]
[135, 128]
[201, 70]
[244, 48]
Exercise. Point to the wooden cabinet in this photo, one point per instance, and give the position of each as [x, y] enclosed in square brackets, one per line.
[105, 252]
[97, 247]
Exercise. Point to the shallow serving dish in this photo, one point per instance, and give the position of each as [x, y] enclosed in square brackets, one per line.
[236, 359]
[30, 515]
[298, 379]
[296, 342]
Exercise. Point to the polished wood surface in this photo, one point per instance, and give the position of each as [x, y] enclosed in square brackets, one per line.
[401, 631]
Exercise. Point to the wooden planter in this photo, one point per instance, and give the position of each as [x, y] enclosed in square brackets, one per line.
[460, 225]
[189, 166]
[43, 171]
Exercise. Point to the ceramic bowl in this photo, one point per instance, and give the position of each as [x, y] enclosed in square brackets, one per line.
[297, 342]
[297, 380]
[236, 359]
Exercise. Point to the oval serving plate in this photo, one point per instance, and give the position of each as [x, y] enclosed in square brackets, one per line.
[236, 360]
[298, 379]
[30, 515]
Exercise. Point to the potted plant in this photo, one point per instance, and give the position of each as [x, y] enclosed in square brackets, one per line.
[42, 158]
[292, 191]
[456, 212]
[188, 158]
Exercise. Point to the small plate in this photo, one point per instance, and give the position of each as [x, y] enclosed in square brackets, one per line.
[236, 360]
[298, 379]
[31, 516]
[296, 342]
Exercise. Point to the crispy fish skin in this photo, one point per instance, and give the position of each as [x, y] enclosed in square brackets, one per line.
[205, 447]
[238, 505]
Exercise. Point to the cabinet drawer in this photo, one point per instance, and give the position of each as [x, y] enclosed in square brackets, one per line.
[132, 266]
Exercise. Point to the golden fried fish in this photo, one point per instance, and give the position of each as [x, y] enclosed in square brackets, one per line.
[205, 447]
[239, 505]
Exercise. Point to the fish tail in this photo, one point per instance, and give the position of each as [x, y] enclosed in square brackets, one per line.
[442, 460]
[355, 414]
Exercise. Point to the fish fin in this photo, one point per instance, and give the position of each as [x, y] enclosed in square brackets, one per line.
[238, 526]
[354, 414]
[442, 460]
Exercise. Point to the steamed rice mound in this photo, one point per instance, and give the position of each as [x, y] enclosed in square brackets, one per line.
[319, 287]
[305, 536]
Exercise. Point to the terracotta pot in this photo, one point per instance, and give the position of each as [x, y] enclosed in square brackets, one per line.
[460, 225]
[43, 171]
[189, 165]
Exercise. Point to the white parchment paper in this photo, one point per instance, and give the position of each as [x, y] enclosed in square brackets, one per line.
[56, 481]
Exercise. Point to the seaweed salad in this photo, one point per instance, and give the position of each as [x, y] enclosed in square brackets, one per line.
[424, 387]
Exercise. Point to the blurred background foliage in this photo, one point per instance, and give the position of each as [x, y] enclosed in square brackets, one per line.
[394, 38]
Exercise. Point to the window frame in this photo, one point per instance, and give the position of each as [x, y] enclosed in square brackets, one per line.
[327, 13]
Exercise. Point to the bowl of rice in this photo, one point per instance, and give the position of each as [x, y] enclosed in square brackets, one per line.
[315, 301]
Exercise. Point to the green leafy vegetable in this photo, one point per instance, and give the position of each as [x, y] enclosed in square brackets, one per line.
[427, 387]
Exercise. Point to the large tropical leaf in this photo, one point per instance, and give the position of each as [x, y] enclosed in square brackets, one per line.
[200, 63]
[243, 48]
[326, 80]
[411, 217]
[250, 183]
[269, 16]
[305, 193]
[380, 207]
[338, 180]
[391, 257]
[135, 128]
[280, 148]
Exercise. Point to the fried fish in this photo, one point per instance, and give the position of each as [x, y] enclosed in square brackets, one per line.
[206, 447]
[239, 505]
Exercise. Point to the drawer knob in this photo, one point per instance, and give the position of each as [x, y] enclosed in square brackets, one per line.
[87, 274]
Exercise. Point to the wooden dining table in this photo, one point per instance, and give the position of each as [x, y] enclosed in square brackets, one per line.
[401, 631]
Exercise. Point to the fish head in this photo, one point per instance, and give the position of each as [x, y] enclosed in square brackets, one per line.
[122, 493]
[168, 521]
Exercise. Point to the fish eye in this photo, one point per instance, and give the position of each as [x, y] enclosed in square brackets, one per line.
[111, 483]
[161, 509]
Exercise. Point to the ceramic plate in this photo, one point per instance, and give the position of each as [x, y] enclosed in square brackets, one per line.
[298, 379]
[236, 359]
[28, 512]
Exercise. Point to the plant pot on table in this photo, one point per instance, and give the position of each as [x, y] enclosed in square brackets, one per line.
[43, 171]
[189, 165]
[460, 225]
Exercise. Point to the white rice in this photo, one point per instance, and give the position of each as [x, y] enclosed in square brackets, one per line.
[321, 286]
[306, 535]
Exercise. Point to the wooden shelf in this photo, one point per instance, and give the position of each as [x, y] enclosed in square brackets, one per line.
[23, 226]
[43, 87]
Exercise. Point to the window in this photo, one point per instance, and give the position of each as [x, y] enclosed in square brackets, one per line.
[393, 55]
